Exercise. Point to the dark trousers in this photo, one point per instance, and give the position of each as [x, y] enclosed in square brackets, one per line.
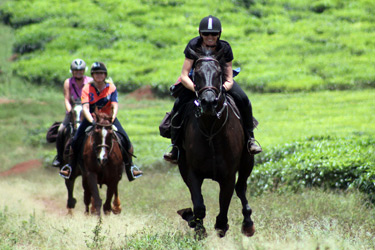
[79, 136]
[60, 136]
[178, 109]
[244, 105]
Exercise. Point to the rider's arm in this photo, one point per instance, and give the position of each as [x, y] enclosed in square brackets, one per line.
[185, 79]
[228, 84]
[68, 106]
[114, 110]
[86, 112]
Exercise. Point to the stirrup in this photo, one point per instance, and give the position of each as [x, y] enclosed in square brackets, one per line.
[134, 167]
[66, 167]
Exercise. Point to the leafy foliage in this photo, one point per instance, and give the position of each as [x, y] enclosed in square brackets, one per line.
[325, 161]
[280, 45]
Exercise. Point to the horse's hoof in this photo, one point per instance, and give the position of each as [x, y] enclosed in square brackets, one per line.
[221, 232]
[93, 210]
[116, 210]
[200, 233]
[248, 231]
[70, 212]
[107, 212]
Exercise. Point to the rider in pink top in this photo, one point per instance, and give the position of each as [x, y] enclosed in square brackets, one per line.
[72, 94]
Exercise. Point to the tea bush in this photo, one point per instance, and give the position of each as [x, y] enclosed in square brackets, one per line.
[324, 161]
[280, 45]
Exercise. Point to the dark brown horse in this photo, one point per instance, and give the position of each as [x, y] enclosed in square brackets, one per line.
[76, 117]
[102, 163]
[214, 147]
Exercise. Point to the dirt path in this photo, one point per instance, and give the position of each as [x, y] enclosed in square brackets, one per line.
[22, 167]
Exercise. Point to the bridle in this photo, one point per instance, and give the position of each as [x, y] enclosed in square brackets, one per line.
[217, 91]
[219, 94]
[103, 145]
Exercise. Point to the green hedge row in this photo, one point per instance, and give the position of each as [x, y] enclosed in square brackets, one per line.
[327, 162]
[285, 45]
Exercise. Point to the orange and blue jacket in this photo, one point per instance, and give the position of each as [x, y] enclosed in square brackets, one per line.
[102, 100]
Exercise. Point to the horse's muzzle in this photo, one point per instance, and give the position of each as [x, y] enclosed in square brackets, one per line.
[209, 102]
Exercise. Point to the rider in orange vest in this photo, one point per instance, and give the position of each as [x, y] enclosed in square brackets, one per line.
[101, 94]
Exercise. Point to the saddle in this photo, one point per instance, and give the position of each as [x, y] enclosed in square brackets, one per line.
[52, 132]
[166, 123]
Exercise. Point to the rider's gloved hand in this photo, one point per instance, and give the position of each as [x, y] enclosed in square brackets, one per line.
[93, 123]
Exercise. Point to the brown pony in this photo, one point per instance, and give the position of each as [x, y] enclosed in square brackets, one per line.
[102, 163]
[214, 147]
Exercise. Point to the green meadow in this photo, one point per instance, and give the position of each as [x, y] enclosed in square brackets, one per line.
[307, 67]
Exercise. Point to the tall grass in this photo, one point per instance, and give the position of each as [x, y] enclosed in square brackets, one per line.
[32, 216]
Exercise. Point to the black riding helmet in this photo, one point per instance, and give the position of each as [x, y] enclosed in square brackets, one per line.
[98, 67]
[210, 24]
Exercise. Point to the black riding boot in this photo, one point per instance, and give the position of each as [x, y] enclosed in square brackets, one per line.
[59, 148]
[176, 121]
[251, 144]
[131, 170]
[244, 105]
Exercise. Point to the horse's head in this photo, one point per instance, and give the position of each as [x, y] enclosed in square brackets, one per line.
[77, 115]
[208, 80]
[102, 137]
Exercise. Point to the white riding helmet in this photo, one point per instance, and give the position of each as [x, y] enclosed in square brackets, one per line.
[78, 64]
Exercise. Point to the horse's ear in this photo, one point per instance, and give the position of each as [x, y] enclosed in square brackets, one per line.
[96, 110]
[94, 116]
[219, 55]
[193, 53]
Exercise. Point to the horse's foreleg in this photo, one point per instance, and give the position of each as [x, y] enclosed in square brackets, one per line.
[110, 191]
[93, 185]
[71, 202]
[195, 187]
[225, 196]
[86, 194]
[116, 209]
[248, 228]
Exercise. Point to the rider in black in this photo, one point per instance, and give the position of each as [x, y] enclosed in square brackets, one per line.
[209, 39]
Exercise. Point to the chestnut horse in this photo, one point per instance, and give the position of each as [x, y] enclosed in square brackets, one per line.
[102, 163]
[214, 147]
